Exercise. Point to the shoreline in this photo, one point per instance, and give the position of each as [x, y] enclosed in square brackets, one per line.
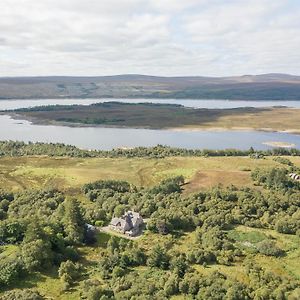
[223, 129]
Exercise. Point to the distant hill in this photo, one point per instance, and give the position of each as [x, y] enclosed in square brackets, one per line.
[247, 87]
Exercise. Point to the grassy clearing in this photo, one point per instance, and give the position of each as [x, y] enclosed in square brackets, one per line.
[288, 265]
[48, 284]
[235, 272]
[252, 237]
[66, 173]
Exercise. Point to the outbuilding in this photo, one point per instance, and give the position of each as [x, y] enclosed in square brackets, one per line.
[294, 176]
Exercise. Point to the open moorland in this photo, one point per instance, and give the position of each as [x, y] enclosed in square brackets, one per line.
[17, 173]
[157, 116]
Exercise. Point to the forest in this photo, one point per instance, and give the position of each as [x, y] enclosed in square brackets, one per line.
[45, 232]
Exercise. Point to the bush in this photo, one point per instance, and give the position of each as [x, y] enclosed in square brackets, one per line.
[36, 255]
[283, 160]
[68, 272]
[287, 225]
[268, 247]
[158, 258]
[10, 272]
[70, 253]
[118, 272]
[91, 289]
[21, 295]
[99, 223]
[172, 285]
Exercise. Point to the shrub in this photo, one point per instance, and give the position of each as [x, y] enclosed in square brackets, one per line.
[68, 272]
[99, 223]
[10, 272]
[268, 247]
[36, 254]
[21, 295]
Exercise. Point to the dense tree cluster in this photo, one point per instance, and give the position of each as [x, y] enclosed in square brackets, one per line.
[275, 179]
[172, 273]
[168, 210]
[211, 214]
[25, 294]
[46, 227]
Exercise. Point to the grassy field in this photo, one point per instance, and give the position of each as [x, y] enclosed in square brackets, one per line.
[72, 173]
[166, 116]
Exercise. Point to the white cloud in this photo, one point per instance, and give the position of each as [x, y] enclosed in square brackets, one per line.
[175, 5]
[162, 37]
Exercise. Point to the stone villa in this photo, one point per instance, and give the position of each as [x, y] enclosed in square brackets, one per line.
[130, 223]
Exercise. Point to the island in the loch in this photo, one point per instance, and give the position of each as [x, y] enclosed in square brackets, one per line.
[162, 116]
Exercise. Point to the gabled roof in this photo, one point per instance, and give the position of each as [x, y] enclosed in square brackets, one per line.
[115, 221]
[120, 222]
[130, 219]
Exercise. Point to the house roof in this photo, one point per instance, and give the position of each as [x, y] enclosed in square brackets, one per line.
[115, 221]
[130, 218]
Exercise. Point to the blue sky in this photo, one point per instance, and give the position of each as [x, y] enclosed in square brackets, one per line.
[157, 37]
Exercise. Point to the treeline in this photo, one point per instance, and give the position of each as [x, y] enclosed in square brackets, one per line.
[54, 107]
[13, 148]
[108, 104]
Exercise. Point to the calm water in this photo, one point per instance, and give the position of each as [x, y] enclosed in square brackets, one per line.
[13, 104]
[108, 138]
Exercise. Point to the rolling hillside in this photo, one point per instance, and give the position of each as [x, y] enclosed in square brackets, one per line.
[247, 87]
